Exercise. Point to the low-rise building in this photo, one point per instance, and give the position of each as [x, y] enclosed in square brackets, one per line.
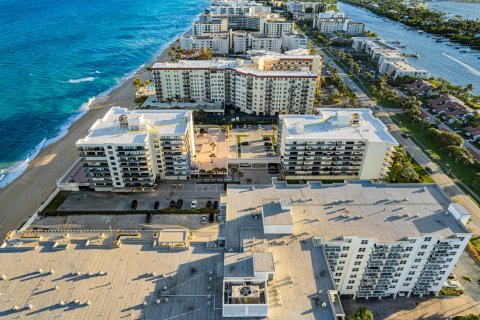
[402, 68]
[420, 87]
[447, 105]
[131, 149]
[335, 144]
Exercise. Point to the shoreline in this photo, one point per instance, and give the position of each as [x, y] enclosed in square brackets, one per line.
[29, 190]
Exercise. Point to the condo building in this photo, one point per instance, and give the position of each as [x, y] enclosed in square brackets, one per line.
[332, 25]
[201, 27]
[389, 59]
[218, 42]
[335, 144]
[265, 85]
[275, 27]
[131, 149]
[238, 8]
[306, 7]
[352, 240]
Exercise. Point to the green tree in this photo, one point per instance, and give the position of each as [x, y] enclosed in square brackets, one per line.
[409, 174]
[137, 83]
[362, 313]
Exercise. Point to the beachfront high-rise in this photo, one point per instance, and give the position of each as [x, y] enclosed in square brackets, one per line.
[335, 144]
[131, 149]
[265, 85]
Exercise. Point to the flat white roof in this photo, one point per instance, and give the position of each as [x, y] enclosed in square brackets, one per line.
[108, 130]
[224, 64]
[405, 66]
[332, 124]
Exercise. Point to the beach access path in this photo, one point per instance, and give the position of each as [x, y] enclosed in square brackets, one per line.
[23, 196]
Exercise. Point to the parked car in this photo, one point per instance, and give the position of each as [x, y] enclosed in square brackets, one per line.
[377, 108]
[405, 136]
[244, 143]
[134, 204]
[179, 204]
[451, 276]
[428, 169]
[268, 143]
[149, 218]
[156, 205]
[452, 284]
[209, 204]
[194, 204]
[266, 138]
[204, 219]
[211, 218]
[172, 204]
[215, 204]
[219, 219]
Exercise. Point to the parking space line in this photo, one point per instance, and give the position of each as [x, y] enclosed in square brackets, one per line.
[120, 205]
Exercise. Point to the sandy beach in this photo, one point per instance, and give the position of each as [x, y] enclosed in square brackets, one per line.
[21, 198]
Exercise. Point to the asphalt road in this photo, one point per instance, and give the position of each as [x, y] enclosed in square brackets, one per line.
[443, 180]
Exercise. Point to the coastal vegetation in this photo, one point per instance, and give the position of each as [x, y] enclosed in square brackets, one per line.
[406, 170]
[362, 313]
[456, 28]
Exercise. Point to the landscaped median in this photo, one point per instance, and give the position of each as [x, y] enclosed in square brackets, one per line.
[465, 173]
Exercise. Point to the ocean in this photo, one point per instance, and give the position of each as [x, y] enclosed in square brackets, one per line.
[55, 56]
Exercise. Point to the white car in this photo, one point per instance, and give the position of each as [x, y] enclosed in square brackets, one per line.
[194, 204]
[452, 284]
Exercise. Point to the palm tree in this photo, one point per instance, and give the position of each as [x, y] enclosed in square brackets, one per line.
[233, 171]
[177, 98]
[212, 156]
[169, 100]
[213, 145]
[239, 175]
[470, 87]
[137, 83]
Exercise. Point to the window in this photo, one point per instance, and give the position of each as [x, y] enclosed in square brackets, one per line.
[364, 242]
[357, 263]
[403, 262]
[418, 260]
[338, 274]
[428, 239]
[409, 249]
[406, 284]
[353, 276]
[424, 246]
[361, 250]
[421, 254]
[349, 287]
[360, 256]
[354, 269]
[411, 273]
[351, 281]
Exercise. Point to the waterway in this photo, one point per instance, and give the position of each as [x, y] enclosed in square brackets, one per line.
[441, 59]
[468, 10]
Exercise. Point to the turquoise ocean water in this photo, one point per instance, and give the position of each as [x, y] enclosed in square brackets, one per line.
[56, 55]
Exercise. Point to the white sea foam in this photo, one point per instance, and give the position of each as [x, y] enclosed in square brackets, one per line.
[463, 64]
[11, 173]
[80, 80]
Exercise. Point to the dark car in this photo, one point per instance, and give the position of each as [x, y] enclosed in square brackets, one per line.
[268, 144]
[156, 205]
[265, 138]
[404, 135]
[172, 204]
[134, 204]
[215, 204]
[149, 218]
[179, 204]
[429, 170]
[211, 218]
[209, 204]
[244, 143]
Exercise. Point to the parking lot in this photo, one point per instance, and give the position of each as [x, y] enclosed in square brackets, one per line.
[252, 143]
[129, 222]
[167, 192]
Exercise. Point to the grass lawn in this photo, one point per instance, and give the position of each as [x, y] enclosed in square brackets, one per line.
[464, 173]
[422, 174]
